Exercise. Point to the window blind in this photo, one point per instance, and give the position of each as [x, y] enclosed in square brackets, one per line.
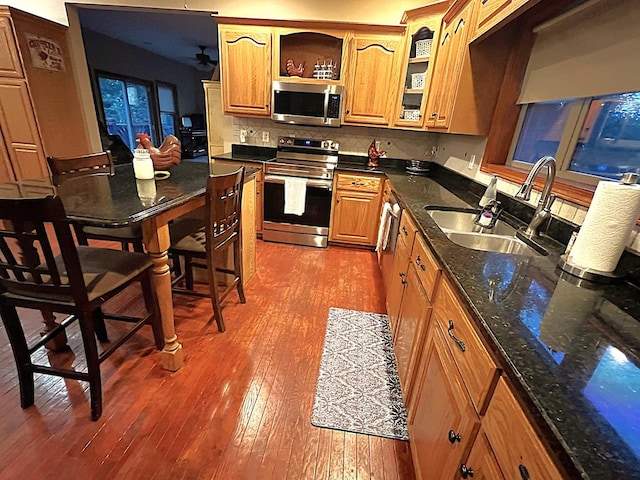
[592, 50]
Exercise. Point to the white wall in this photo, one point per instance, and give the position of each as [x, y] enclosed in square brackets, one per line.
[361, 11]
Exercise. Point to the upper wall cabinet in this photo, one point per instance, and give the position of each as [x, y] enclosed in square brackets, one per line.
[246, 69]
[372, 78]
[492, 13]
[307, 56]
[418, 52]
[467, 78]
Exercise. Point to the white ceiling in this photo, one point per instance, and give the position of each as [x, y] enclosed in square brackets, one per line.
[174, 34]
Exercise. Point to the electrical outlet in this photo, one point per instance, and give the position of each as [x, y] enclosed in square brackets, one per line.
[378, 145]
[265, 137]
[243, 135]
[472, 162]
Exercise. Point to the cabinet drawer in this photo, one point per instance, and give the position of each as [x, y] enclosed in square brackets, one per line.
[476, 366]
[515, 443]
[408, 230]
[361, 183]
[426, 266]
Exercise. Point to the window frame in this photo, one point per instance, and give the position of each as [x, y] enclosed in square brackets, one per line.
[176, 114]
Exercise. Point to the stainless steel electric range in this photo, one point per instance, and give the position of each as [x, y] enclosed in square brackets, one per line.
[315, 162]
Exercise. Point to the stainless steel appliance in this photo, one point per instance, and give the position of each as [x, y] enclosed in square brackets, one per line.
[314, 161]
[305, 104]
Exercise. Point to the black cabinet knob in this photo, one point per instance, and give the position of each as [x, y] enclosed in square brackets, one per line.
[466, 472]
[454, 437]
[524, 473]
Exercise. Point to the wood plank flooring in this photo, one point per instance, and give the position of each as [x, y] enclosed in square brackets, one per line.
[239, 408]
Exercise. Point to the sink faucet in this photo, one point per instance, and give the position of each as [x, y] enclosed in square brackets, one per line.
[543, 211]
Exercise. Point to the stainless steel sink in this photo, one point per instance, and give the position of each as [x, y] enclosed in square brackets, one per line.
[459, 227]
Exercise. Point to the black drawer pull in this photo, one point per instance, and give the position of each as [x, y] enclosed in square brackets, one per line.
[404, 230]
[420, 264]
[524, 473]
[466, 472]
[454, 437]
[460, 343]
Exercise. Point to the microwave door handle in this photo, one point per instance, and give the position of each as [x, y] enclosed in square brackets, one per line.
[326, 106]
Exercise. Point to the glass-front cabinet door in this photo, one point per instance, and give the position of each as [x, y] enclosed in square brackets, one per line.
[420, 49]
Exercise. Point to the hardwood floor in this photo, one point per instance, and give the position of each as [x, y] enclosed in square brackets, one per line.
[239, 408]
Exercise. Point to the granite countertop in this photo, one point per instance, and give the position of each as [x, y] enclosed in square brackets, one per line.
[571, 348]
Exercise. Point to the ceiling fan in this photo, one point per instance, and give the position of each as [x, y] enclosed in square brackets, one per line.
[204, 60]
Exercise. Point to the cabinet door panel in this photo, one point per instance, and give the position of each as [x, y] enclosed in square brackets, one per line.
[373, 73]
[9, 58]
[20, 131]
[443, 423]
[354, 217]
[476, 366]
[397, 284]
[412, 323]
[482, 461]
[246, 72]
[514, 441]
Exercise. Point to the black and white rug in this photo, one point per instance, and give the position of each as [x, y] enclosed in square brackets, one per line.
[358, 386]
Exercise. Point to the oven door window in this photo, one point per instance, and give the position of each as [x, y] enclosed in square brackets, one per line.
[317, 211]
[299, 103]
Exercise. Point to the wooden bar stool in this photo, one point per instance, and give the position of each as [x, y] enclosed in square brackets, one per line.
[96, 164]
[77, 282]
[220, 233]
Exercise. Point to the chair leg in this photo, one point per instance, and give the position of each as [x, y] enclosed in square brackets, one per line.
[188, 272]
[20, 353]
[177, 268]
[138, 246]
[151, 304]
[215, 302]
[93, 363]
[99, 326]
[237, 268]
[124, 245]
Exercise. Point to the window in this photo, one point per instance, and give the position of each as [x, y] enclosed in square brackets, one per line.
[127, 108]
[168, 107]
[591, 138]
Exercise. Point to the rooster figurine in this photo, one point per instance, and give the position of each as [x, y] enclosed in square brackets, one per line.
[294, 71]
[374, 154]
[164, 157]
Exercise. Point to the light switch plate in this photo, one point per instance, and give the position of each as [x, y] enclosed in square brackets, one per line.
[243, 136]
[265, 137]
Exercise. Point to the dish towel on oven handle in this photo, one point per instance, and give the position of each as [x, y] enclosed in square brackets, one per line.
[384, 232]
[295, 195]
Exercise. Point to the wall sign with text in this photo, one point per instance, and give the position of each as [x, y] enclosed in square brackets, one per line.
[45, 53]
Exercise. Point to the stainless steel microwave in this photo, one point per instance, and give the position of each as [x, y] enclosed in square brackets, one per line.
[307, 104]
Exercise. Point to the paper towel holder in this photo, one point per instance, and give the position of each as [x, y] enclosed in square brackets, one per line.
[588, 274]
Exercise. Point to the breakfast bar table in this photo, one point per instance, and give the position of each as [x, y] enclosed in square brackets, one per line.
[118, 200]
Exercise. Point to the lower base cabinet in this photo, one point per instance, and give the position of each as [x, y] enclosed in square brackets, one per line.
[443, 424]
[482, 463]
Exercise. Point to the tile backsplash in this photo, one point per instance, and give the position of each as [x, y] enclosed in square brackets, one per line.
[353, 140]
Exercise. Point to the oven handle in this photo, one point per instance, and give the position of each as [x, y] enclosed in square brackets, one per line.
[311, 182]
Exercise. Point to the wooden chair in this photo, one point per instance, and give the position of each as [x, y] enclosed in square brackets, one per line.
[95, 164]
[77, 282]
[221, 232]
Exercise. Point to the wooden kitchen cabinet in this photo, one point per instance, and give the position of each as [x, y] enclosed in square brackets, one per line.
[443, 423]
[482, 463]
[309, 47]
[40, 109]
[245, 53]
[372, 78]
[415, 311]
[517, 448]
[448, 67]
[219, 125]
[412, 102]
[356, 209]
[471, 357]
[397, 284]
[493, 12]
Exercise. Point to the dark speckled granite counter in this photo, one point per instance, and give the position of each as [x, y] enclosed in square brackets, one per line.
[573, 352]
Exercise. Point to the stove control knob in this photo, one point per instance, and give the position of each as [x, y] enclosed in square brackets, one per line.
[336, 146]
[326, 144]
[281, 140]
[289, 141]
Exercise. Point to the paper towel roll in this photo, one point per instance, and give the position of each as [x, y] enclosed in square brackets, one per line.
[604, 234]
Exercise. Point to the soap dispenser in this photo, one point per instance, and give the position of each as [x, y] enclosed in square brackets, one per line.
[490, 193]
